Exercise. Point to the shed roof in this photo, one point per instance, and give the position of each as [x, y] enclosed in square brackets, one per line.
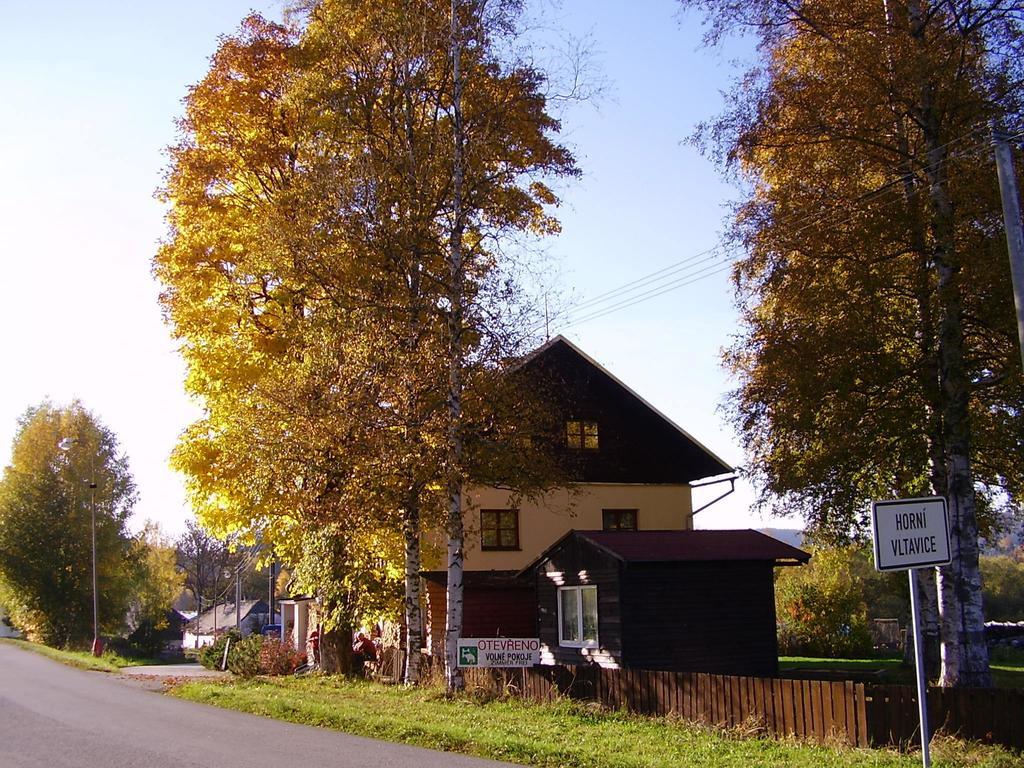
[685, 546]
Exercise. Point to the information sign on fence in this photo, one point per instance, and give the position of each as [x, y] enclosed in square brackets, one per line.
[499, 651]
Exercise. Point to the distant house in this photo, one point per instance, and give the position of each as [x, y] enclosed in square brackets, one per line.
[250, 615]
[6, 630]
[298, 621]
[694, 600]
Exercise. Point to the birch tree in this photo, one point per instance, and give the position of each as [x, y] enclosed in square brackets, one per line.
[876, 358]
[313, 215]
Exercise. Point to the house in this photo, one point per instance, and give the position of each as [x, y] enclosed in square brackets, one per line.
[248, 615]
[298, 619]
[682, 600]
[6, 629]
[630, 468]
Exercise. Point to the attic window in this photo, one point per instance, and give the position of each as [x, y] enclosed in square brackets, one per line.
[581, 435]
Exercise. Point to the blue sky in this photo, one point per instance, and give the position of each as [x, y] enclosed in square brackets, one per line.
[91, 91]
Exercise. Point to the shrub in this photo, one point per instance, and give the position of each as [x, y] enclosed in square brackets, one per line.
[279, 657]
[212, 655]
[821, 607]
[244, 656]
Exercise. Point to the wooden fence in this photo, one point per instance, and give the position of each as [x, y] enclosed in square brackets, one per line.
[858, 714]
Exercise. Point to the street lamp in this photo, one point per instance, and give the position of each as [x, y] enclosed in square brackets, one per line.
[97, 646]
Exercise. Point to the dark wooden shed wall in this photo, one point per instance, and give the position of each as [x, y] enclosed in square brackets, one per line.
[601, 570]
[685, 616]
[700, 617]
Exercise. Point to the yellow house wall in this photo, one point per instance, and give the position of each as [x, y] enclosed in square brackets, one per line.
[543, 522]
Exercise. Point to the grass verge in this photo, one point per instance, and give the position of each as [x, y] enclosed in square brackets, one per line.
[564, 734]
[1007, 667]
[108, 662]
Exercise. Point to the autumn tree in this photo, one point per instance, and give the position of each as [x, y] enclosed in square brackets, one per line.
[158, 583]
[46, 506]
[877, 356]
[308, 276]
[201, 559]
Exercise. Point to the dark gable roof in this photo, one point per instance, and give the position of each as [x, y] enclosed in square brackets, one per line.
[684, 546]
[639, 444]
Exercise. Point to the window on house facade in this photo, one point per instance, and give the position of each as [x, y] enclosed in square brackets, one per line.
[499, 529]
[581, 435]
[577, 617]
[618, 519]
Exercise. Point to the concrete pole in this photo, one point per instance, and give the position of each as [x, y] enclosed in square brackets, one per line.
[1011, 220]
[238, 598]
[270, 589]
[97, 649]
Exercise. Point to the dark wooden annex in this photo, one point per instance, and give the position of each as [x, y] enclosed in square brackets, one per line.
[494, 604]
[689, 601]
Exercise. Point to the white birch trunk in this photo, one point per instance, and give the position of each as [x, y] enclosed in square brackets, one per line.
[964, 653]
[413, 611]
[456, 534]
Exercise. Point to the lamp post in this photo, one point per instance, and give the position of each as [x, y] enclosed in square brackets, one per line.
[97, 646]
[238, 592]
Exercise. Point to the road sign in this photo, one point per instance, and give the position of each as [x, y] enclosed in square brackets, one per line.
[910, 533]
[498, 651]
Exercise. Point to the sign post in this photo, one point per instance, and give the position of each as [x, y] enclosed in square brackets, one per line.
[910, 534]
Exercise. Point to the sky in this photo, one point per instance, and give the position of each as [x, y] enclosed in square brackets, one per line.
[91, 93]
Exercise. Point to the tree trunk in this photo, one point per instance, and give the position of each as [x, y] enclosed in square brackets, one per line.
[930, 638]
[964, 653]
[336, 651]
[456, 534]
[413, 612]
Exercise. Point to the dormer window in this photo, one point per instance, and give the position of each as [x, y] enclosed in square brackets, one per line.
[581, 435]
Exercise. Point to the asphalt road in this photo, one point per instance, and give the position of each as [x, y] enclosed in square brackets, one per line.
[54, 716]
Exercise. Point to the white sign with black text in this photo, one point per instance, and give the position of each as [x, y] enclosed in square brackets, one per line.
[499, 651]
[910, 533]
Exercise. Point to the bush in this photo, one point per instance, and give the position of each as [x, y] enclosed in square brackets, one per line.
[244, 656]
[279, 658]
[821, 607]
[212, 655]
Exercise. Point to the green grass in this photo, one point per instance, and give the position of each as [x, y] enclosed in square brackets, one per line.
[1007, 668]
[563, 734]
[108, 662]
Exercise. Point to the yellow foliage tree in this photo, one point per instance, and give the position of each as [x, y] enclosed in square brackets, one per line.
[307, 278]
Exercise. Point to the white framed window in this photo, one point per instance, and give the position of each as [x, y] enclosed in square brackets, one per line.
[577, 617]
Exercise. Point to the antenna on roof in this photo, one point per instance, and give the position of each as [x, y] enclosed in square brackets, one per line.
[547, 321]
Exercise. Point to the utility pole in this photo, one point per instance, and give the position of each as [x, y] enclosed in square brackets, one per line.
[238, 598]
[1011, 220]
[270, 590]
[97, 646]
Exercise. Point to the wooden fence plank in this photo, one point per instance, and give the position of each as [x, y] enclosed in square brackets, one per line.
[799, 716]
[769, 705]
[860, 717]
[665, 693]
[735, 701]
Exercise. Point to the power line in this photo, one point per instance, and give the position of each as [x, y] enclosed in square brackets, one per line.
[684, 272]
